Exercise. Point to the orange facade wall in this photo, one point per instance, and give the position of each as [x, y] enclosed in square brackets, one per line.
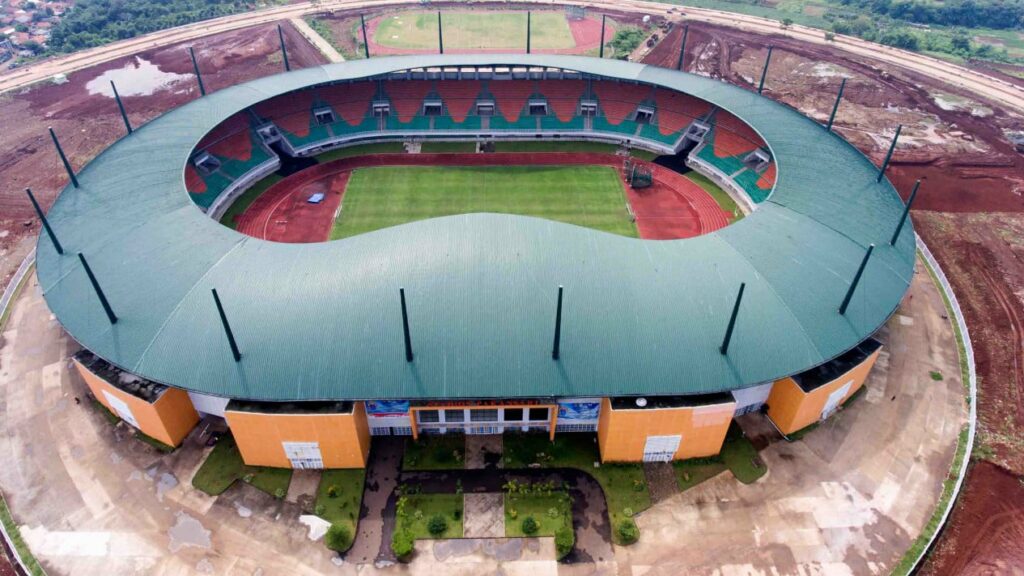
[791, 409]
[344, 439]
[622, 434]
[168, 420]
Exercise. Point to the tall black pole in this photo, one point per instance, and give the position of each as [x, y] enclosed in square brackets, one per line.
[835, 107]
[856, 280]
[366, 41]
[46, 223]
[195, 66]
[284, 51]
[724, 348]
[764, 72]
[405, 327]
[63, 158]
[528, 32]
[888, 155]
[120, 106]
[557, 348]
[440, 34]
[906, 212]
[682, 48]
[99, 291]
[227, 327]
[604, 17]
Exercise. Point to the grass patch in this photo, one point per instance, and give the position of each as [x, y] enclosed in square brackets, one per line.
[551, 513]
[937, 376]
[415, 511]
[242, 203]
[380, 197]
[725, 202]
[472, 30]
[740, 456]
[111, 418]
[19, 544]
[435, 452]
[569, 146]
[339, 497]
[224, 466]
[692, 472]
[363, 149]
[625, 486]
[448, 147]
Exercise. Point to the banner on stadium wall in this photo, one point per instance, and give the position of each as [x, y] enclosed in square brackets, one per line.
[387, 408]
[576, 410]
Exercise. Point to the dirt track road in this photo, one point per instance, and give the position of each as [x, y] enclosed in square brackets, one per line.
[982, 85]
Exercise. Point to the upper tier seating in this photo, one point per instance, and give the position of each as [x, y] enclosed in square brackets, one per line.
[511, 96]
[677, 110]
[619, 100]
[236, 147]
[406, 97]
[563, 97]
[350, 101]
[730, 123]
[459, 97]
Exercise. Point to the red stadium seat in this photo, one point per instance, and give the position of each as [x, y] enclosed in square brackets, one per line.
[677, 110]
[619, 100]
[511, 96]
[459, 96]
[563, 96]
[407, 97]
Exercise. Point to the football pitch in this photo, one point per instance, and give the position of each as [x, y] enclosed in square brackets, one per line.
[379, 197]
[474, 30]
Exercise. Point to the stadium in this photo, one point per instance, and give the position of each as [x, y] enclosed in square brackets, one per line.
[652, 330]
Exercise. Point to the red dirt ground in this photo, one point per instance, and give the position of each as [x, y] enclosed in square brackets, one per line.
[586, 32]
[674, 207]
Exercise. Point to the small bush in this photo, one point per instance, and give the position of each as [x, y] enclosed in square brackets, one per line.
[513, 513]
[553, 512]
[279, 493]
[457, 514]
[320, 510]
[402, 544]
[332, 491]
[627, 512]
[437, 525]
[530, 526]
[628, 532]
[565, 539]
[338, 538]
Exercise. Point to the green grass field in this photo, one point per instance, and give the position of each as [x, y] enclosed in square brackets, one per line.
[417, 30]
[380, 197]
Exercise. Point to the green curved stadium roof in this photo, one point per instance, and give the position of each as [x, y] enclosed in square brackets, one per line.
[322, 321]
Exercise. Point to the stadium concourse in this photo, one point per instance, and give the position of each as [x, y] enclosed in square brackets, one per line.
[475, 323]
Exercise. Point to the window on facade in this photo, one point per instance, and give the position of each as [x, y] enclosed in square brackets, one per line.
[485, 109]
[513, 414]
[588, 109]
[454, 415]
[538, 109]
[381, 110]
[206, 163]
[538, 414]
[433, 109]
[428, 416]
[323, 116]
[483, 415]
[644, 116]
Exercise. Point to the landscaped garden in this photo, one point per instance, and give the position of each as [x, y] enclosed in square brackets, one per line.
[424, 516]
[338, 500]
[224, 466]
[738, 456]
[435, 452]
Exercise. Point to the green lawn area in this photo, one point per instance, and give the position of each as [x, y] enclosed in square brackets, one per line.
[625, 486]
[224, 466]
[435, 452]
[568, 146]
[419, 508]
[350, 151]
[11, 527]
[347, 488]
[380, 197]
[242, 203]
[725, 202]
[551, 513]
[417, 29]
[738, 456]
[690, 473]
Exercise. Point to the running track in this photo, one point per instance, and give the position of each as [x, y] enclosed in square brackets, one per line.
[674, 207]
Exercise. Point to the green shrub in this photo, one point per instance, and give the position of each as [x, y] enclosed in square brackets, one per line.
[437, 525]
[332, 491]
[320, 510]
[628, 532]
[530, 526]
[565, 539]
[402, 544]
[279, 493]
[338, 538]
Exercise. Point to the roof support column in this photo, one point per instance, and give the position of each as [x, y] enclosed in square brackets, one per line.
[835, 107]
[284, 51]
[405, 327]
[227, 327]
[906, 212]
[63, 158]
[682, 47]
[195, 66]
[120, 106]
[604, 17]
[764, 72]
[528, 32]
[46, 223]
[440, 34]
[366, 40]
[888, 155]
[856, 280]
[724, 348]
[556, 350]
[99, 291]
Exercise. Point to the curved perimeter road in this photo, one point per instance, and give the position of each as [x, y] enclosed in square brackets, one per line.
[982, 85]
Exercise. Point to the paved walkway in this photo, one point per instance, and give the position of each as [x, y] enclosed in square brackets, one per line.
[484, 515]
[317, 40]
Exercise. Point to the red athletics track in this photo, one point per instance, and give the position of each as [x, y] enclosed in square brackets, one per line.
[674, 207]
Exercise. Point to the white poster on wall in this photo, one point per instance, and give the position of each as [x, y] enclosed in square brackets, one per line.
[121, 408]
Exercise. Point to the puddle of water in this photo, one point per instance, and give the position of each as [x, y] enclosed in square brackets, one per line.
[138, 78]
[827, 70]
[166, 482]
[188, 531]
[243, 511]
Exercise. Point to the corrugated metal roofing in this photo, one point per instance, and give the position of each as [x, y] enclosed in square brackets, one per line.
[322, 321]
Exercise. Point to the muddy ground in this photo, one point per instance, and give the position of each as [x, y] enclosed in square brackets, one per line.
[86, 119]
[970, 211]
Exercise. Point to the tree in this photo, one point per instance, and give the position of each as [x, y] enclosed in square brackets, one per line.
[403, 544]
[627, 530]
[961, 41]
[787, 22]
[338, 538]
[830, 36]
[530, 526]
[437, 525]
[565, 539]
